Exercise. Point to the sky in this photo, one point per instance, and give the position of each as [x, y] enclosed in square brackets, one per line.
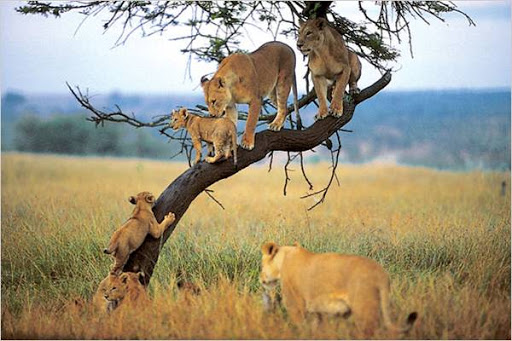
[39, 55]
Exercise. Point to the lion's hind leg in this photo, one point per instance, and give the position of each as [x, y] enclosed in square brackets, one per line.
[121, 257]
[218, 153]
[283, 87]
[366, 310]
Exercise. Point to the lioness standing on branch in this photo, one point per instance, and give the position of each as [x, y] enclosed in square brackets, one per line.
[329, 284]
[249, 78]
[329, 61]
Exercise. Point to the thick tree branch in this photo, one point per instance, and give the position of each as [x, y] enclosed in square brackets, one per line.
[185, 188]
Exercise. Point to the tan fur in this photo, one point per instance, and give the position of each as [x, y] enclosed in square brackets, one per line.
[329, 61]
[249, 78]
[126, 291]
[99, 301]
[132, 233]
[329, 284]
[217, 131]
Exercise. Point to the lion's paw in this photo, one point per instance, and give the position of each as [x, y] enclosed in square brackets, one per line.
[336, 111]
[210, 159]
[275, 126]
[354, 91]
[321, 114]
[246, 144]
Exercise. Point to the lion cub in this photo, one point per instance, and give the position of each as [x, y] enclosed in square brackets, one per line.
[329, 284]
[132, 233]
[221, 132]
[126, 290]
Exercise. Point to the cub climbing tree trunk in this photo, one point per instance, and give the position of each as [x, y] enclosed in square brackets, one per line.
[178, 196]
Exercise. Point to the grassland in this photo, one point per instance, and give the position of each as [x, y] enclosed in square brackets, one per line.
[444, 238]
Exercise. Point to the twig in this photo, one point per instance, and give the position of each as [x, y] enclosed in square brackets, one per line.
[209, 193]
[333, 176]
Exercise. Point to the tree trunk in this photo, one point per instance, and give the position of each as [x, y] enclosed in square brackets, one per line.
[184, 189]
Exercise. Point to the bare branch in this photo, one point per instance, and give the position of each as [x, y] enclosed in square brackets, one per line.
[324, 191]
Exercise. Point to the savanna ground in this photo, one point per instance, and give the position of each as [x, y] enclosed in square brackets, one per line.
[444, 237]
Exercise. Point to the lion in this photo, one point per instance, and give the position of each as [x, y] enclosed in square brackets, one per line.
[217, 131]
[249, 78]
[132, 233]
[329, 61]
[329, 284]
[125, 290]
[99, 301]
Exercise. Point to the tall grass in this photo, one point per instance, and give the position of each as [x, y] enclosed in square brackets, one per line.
[444, 238]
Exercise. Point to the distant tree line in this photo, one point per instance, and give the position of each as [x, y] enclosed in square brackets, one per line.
[71, 134]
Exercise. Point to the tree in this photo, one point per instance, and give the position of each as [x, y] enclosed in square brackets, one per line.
[215, 29]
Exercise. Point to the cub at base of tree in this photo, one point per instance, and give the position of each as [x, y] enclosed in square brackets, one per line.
[249, 78]
[125, 288]
[130, 236]
[329, 61]
[99, 301]
[217, 131]
[329, 284]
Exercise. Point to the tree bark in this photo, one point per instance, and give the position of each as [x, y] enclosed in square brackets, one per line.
[178, 196]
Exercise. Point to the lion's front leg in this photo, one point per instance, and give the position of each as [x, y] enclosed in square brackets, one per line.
[197, 147]
[336, 108]
[320, 84]
[250, 126]
[156, 230]
[295, 306]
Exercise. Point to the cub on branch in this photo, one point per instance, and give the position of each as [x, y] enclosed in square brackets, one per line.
[329, 284]
[217, 131]
[249, 78]
[329, 61]
[132, 233]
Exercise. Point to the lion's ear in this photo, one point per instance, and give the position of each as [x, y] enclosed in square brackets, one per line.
[123, 277]
[150, 198]
[184, 112]
[220, 83]
[142, 277]
[204, 81]
[321, 23]
[132, 200]
[301, 22]
[269, 249]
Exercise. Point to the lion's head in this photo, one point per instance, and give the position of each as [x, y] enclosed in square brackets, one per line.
[271, 262]
[216, 94]
[143, 198]
[311, 35]
[179, 119]
[125, 285]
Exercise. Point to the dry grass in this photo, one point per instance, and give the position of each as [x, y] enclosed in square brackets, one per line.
[444, 238]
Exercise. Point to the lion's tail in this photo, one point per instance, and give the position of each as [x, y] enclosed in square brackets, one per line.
[384, 301]
[296, 102]
[234, 145]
